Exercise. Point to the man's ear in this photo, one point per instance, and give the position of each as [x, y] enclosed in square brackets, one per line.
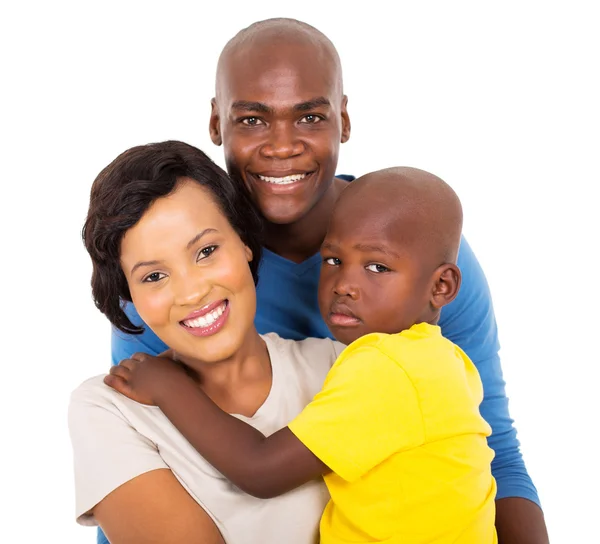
[446, 284]
[345, 120]
[249, 255]
[214, 125]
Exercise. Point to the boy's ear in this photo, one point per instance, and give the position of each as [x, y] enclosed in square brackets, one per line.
[214, 125]
[249, 255]
[446, 284]
[345, 120]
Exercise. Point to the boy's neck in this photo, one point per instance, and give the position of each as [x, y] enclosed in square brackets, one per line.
[301, 240]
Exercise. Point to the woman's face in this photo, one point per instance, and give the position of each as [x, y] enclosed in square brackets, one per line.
[189, 278]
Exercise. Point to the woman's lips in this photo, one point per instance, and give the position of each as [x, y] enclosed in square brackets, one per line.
[207, 322]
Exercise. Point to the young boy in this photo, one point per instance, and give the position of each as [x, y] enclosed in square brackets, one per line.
[396, 430]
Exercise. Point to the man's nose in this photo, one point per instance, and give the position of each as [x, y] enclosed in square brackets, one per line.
[283, 143]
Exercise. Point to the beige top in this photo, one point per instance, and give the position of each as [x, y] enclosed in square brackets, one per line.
[116, 439]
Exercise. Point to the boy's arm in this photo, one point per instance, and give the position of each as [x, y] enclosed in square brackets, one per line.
[260, 466]
[470, 322]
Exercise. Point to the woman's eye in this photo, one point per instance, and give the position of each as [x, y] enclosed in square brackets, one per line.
[206, 252]
[154, 277]
[333, 261]
[311, 119]
[378, 268]
[251, 121]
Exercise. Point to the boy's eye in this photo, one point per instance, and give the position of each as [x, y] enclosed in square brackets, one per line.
[154, 277]
[333, 261]
[311, 119]
[206, 252]
[378, 268]
[252, 121]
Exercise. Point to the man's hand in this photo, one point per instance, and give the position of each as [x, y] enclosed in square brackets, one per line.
[144, 378]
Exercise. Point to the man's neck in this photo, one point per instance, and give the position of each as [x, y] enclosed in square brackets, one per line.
[301, 240]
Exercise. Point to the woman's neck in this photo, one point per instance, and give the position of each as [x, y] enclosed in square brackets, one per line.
[241, 383]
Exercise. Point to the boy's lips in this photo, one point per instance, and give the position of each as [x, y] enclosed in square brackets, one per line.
[342, 316]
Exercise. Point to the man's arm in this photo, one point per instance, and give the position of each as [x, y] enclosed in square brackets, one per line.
[123, 345]
[470, 322]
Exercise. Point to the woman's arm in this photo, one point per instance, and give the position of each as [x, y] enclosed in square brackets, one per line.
[154, 508]
[121, 480]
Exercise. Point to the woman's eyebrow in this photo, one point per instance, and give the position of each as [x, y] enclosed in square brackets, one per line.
[198, 236]
[188, 246]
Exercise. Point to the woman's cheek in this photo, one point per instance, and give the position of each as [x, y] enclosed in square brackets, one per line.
[152, 306]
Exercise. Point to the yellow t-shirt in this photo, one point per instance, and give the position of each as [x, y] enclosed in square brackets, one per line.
[398, 423]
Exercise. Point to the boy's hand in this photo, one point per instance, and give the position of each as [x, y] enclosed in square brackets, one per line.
[144, 378]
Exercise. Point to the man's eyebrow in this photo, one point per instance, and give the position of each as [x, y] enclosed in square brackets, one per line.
[188, 246]
[329, 246]
[312, 104]
[244, 105]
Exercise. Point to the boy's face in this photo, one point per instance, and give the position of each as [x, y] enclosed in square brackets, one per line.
[373, 279]
[281, 116]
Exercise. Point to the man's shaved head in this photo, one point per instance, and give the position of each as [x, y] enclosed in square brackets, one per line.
[266, 38]
[419, 207]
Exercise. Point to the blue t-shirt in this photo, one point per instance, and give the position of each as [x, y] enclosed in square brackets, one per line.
[287, 304]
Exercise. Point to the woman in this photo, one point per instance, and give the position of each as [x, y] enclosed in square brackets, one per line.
[168, 230]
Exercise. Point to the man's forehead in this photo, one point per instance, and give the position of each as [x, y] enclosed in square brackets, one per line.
[301, 68]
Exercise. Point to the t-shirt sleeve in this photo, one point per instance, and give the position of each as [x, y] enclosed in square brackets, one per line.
[124, 345]
[107, 450]
[367, 410]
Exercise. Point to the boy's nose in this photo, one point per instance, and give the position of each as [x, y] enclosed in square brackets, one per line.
[345, 287]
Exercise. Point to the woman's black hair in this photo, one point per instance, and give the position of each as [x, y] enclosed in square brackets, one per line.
[127, 187]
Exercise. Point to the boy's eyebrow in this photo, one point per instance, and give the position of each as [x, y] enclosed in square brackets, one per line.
[373, 248]
[188, 246]
[312, 104]
[245, 105]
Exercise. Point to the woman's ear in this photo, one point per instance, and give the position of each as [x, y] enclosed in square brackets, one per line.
[446, 284]
[249, 254]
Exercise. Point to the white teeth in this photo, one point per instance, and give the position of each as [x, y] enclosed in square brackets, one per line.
[283, 181]
[207, 319]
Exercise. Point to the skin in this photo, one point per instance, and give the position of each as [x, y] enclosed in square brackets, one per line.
[275, 74]
[280, 110]
[182, 272]
[357, 278]
[297, 236]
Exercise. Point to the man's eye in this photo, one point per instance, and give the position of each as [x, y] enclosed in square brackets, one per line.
[333, 261]
[154, 277]
[206, 252]
[379, 268]
[311, 119]
[251, 121]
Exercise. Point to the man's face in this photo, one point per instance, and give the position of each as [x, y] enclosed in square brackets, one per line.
[281, 116]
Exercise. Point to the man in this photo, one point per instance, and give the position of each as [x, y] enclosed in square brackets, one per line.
[280, 114]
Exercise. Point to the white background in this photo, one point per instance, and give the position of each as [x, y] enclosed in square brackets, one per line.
[499, 100]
